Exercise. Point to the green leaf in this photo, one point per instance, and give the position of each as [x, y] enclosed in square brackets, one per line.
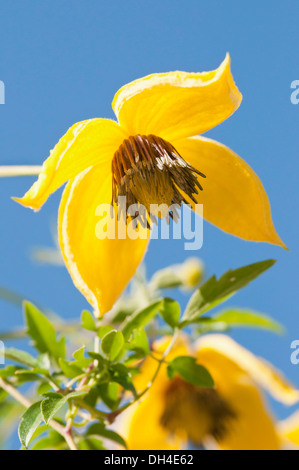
[9, 371]
[109, 394]
[122, 375]
[35, 371]
[242, 318]
[78, 355]
[87, 321]
[52, 441]
[103, 330]
[30, 421]
[81, 361]
[41, 330]
[190, 371]
[21, 379]
[101, 362]
[90, 443]
[92, 396]
[99, 429]
[3, 396]
[214, 291]
[21, 357]
[51, 405]
[112, 344]
[43, 388]
[124, 308]
[69, 369]
[170, 311]
[43, 361]
[140, 318]
[54, 402]
[39, 431]
[138, 342]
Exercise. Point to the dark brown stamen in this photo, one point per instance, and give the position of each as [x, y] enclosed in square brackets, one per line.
[147, 170]
[199, 411]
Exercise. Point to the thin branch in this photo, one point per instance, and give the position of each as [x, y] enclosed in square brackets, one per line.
[19, 170]
[110, 417]
[15, 393]
[12, 391]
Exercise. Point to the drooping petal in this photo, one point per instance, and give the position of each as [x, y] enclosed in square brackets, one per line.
[262, 373]
[177, 104]
[252, 426]
[85, 144]
[100, 266]
[233, 196]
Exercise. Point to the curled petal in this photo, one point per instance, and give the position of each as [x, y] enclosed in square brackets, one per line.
[233, 196]
[85, 144]
[177, 104]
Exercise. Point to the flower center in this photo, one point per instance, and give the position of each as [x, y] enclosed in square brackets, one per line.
[195, 412]
[148, 170]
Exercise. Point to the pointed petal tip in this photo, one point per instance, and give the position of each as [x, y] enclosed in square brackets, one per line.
[276, 240]
[234, 199]
[272, 240]
[26, 202]
[19, 200]
[226, 64]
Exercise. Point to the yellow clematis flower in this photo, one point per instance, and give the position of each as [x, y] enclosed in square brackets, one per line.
[149, 157]
[231, 416]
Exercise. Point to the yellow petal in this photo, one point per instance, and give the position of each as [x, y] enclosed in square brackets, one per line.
[100, 268]
[289, 431]
[263, 373]
[140, 425]
[252, 427]
[85, 144]
[233, 196]
[177, 104]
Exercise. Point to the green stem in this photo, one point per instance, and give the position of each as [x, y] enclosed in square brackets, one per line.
[13, 392]
[110, 417]
[94, 413]
[114, 414]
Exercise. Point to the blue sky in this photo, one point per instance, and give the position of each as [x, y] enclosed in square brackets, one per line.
[62, 62]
